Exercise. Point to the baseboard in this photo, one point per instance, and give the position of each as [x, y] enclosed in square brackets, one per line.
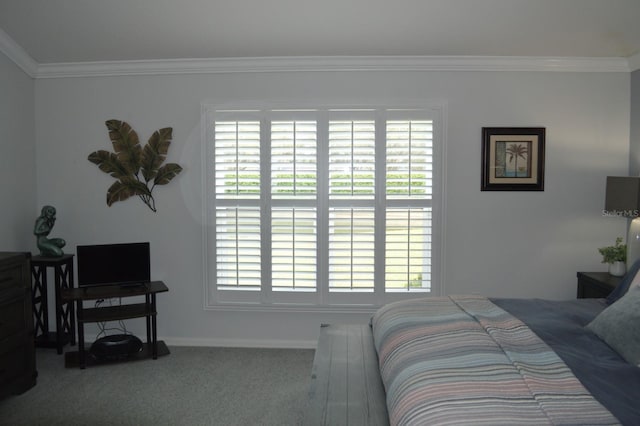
[241, 343]
[229, 343]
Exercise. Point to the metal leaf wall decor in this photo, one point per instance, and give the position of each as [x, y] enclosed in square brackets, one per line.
[138, 170]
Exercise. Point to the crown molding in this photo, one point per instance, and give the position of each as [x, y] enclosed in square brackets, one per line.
[309, 63]
[329, 63]
[17, 54]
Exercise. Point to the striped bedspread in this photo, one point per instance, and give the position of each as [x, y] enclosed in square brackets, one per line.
[463, 360]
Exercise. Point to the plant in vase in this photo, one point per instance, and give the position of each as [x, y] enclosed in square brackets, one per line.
[615, 256]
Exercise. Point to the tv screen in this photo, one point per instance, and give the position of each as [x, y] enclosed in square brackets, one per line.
[127, 263]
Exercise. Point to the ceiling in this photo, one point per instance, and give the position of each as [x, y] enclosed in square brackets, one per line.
[64, 31]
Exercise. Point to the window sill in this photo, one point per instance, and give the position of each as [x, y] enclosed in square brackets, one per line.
[300, 306]
[290, 307]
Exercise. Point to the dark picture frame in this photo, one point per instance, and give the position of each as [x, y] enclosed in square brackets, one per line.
[513, 158]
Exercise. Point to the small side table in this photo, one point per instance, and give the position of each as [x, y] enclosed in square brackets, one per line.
[65, 313]
[596, 284]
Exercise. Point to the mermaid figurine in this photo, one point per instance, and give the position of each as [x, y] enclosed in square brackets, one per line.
[49, 247]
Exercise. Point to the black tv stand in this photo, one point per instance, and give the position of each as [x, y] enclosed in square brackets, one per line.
[129, 285]
[151, 349]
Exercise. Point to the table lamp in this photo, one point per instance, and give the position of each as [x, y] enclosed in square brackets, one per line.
[622, 199]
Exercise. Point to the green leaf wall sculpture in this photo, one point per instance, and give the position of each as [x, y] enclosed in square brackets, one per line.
[138, 170]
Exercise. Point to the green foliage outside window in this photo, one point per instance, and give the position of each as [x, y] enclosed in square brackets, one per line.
[397, 183]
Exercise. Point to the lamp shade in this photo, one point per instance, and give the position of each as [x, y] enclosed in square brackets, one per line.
[623, 199]
[623, 196]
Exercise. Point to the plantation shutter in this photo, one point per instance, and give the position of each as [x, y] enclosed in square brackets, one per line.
[238, 247]
[409, 159]
[351, 249]
[352, 201]
[293, 159]
[319, 207]
[409, 182]
[294, 190]
[237, 159]
[408, 249]
[352, 159]
[293, 252]
[237, 212]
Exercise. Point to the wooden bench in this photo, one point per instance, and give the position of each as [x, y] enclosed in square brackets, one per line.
[346, 388]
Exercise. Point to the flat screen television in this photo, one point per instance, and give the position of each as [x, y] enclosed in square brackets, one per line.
[125, 264]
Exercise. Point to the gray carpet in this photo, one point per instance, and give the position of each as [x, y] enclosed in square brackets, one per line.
[191, 386]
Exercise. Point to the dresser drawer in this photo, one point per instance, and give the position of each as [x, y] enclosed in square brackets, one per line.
[11, 277]
[17, 347]
[12, 316]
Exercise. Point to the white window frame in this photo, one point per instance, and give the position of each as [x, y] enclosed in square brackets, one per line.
[320, 300]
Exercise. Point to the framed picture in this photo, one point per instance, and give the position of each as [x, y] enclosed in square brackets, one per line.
[513, 158]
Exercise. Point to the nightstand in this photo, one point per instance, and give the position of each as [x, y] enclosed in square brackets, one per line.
[596, 284]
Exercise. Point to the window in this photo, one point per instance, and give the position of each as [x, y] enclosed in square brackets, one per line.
[320, 208]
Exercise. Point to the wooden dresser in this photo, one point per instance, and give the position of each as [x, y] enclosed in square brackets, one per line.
[17, 348]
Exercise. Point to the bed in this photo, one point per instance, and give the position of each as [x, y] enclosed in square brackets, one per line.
[474, 360]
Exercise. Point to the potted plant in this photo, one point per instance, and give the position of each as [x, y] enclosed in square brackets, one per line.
[615, 256]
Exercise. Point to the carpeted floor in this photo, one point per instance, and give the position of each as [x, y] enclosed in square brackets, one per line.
[191, 386]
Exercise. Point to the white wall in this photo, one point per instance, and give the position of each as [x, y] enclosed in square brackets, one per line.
[511, 244]
[17, 158]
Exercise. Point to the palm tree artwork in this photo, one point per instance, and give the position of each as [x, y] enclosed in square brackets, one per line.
[514, 151]
[137, 170]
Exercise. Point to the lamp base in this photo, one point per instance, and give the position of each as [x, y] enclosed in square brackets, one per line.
[633, 242]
